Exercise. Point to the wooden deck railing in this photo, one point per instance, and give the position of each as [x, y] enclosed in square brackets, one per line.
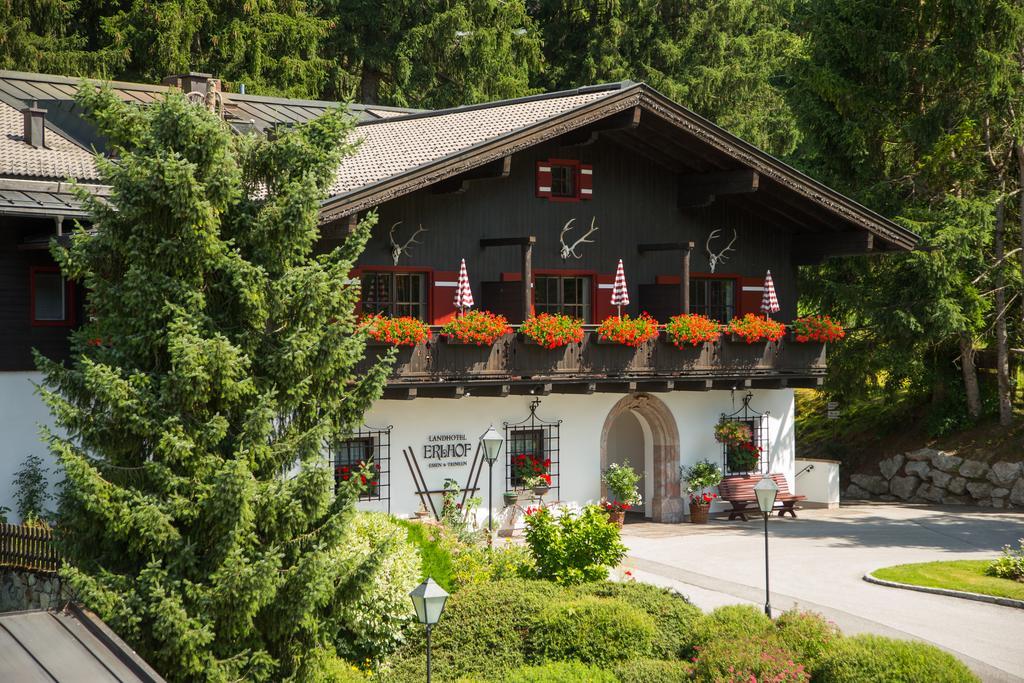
[28, 547]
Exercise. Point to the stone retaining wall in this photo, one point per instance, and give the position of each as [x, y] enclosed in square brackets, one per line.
[21, 590]
[931, 476]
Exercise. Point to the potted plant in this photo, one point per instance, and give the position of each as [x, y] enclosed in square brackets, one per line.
[817, 328]
[621, 482]
[480, 328]
[691, 329]
[540, 484]
[511, 498]
[403, 331]
[627, 331]
[754, 328]
[552, 330]
[699, 478]
[741, 454]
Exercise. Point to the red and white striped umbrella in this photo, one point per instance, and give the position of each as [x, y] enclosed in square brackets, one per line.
[769, 302]
[463, 293]
[620, 295]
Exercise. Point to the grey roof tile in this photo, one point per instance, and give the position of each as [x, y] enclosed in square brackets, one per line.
[60, 158]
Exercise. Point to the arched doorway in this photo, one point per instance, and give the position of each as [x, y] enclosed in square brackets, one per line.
[641, 430]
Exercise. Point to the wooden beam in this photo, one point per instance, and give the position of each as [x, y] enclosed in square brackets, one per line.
[702, 189]
[813, 248]
[636, 143]
[500, 168]
[527, 274]
[507, 241]
[658, 387]
[625, 120]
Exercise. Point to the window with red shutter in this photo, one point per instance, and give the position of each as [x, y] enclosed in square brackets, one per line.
[564, 180]
[543, 178]
[585, 182]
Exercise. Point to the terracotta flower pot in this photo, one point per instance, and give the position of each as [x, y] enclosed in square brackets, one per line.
[541, 491]
[617, 517]
[698, 513]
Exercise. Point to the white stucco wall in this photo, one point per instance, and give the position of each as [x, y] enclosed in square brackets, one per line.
[819, 481]
[21, 414]
[582, 418]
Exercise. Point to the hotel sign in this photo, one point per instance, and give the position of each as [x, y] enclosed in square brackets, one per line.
[447, 450]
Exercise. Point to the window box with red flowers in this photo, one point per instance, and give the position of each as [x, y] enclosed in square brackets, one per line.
[754, 328]
[817, 328]
[404, 331]
[627, 331]
[552, 331]
[531, 472]
[475, 328]
[691, 330]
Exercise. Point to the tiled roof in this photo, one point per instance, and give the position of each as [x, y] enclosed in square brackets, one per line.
[394, 146]
[59, 159]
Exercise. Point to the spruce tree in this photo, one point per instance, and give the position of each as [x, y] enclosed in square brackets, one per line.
[199, 517]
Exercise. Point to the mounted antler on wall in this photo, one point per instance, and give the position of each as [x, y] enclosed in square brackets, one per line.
[397, 251]
[713, 258]
[571, 250]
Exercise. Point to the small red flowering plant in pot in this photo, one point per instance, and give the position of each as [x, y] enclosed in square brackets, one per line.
[532, 472]
[552, 330]
[754, 328]
[403, 331]
[481, 328]
[699, 479]
[692, 329]
[621, 482]
[628, 331]
[817, 328]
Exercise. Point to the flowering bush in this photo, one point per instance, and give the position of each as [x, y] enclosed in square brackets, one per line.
[757, 658]
[699, 478]
[817, 328]
[482, 328]
[1010, 565]
[527, 469]
[693, 329]
[552, 331]
[404, 331]
[628, 331]
[573, 548]
[742, 457]
[621, 481]
[754, 328]
[732, 432]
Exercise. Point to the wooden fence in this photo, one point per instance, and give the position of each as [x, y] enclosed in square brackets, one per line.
[28, 547]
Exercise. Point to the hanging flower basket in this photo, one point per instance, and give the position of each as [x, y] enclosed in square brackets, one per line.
[404, 331]
[627, 331]
[753, 328]
[510, 498]
[816, 328]
[476, 328]
[552, 331]
[692, 329]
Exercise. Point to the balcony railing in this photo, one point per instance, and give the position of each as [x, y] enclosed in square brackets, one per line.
[512, 359]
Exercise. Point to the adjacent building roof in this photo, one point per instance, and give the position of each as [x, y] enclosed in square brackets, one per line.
[61, 157]
[70, 646]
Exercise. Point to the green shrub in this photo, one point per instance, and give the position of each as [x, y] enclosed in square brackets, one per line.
[874, 659]
[1010, 565]
[476, 564]
[673, 615]
[434, 549]
[759, 657]
[592, 630]
[372, 622]
[573, 548]
[484, 628]
[731, 622]
[652, 671]
[551, 672]
[807, 634]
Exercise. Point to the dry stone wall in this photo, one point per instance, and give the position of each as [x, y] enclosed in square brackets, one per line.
[931, 476]
[21, 590]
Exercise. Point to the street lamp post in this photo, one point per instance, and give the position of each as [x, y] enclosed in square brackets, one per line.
[766, 491]
[428, 599]
[491, 443]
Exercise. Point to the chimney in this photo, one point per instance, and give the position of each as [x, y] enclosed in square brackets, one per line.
[192, 82]
[35, 125]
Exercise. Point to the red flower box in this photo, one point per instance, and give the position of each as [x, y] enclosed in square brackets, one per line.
[692, 329]
[480, 328]
[404, 331]
[754, 328]
[628, 331]
[817, 329]
[552, 331]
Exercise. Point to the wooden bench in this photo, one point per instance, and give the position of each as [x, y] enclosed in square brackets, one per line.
[739, 490]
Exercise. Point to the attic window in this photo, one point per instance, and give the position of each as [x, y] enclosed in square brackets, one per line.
[564, 180]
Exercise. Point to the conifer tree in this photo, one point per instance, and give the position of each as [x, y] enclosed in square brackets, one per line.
[199, 518]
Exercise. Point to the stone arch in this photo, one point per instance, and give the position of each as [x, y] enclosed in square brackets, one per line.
[667, 505]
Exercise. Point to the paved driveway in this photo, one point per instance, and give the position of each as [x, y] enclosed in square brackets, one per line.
[817, 562]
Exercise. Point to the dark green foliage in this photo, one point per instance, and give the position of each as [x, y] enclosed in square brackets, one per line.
[755, 657]
[573, 548]
[874, 659]
[552, 672]
[673, 615]
[807, 634]
[593, 630]
[31, 490]
[218, 357]
[729, 623]
[652, 671]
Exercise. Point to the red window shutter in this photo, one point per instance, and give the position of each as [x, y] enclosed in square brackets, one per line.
[585, 181]
[443, 296]
[668, 280]
[543, 178]
[748, 296]
[602, 307]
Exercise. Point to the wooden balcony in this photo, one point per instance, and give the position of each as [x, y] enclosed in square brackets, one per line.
[512, 365]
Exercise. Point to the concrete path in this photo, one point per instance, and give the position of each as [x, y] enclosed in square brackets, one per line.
[817, 562]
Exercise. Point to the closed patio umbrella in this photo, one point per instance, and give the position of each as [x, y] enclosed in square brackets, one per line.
[769, 302]
[463, 293]
[620, 295]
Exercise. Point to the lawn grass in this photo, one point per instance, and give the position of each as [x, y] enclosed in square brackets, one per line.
[961, 575]
[435, 559]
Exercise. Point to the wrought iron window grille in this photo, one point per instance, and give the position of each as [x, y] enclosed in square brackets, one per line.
[758, 423]
[371, 445]
[533, 437]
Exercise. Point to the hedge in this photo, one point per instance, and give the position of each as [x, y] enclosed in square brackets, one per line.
[874, 659]
[652, 671]
[592, 630]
